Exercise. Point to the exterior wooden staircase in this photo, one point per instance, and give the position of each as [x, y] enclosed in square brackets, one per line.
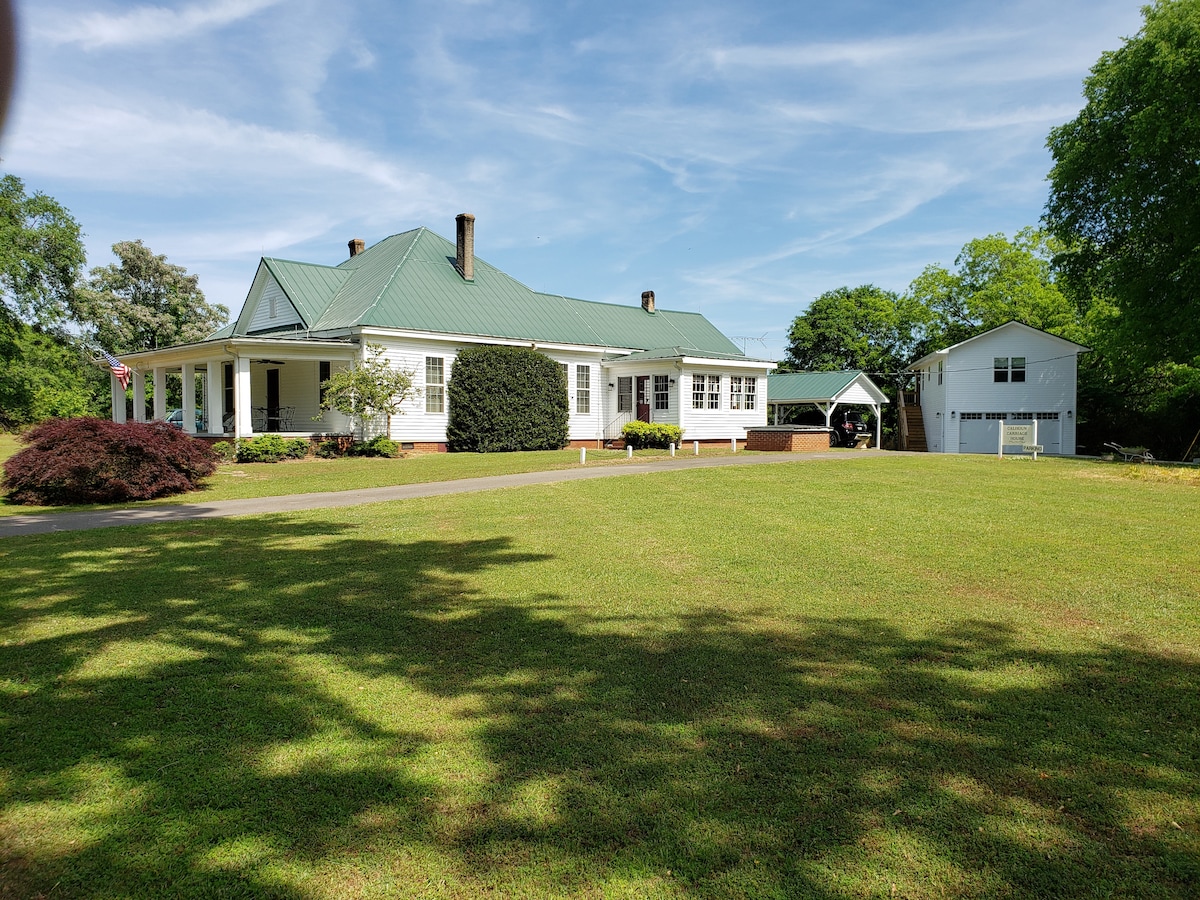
[912, 424]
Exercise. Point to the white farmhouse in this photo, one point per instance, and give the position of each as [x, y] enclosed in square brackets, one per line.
[1012, 372]
[423, 298]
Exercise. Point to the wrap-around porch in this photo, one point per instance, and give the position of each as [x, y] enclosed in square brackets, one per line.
[236, 389]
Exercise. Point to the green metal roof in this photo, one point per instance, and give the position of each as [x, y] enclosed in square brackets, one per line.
[409, 281]
[807, 387]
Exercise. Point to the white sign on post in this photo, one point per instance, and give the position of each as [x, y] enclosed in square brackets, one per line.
[1023, 436]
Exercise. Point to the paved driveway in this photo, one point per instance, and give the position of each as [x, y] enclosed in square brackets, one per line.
[43, 523]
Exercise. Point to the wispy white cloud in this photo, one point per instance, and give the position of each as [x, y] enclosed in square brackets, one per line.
[147, 24]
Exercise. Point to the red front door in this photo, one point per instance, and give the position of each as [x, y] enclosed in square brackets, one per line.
[643, 398]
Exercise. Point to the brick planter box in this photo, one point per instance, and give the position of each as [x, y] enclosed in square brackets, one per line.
[787, 438]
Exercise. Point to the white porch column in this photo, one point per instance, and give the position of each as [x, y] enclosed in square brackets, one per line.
[189, 398]
[243, 427]
[139, 396]
[160, 393]
[878, 407]
[214, 400]
[118, 400]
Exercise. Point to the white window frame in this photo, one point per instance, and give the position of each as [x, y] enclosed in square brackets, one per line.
[662, 392]
[435, 385]
[583, 389]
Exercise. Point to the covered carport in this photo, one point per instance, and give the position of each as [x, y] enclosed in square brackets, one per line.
[826, 391]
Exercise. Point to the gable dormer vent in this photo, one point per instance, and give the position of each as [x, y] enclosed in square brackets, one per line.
[648, 301]
[465, 255]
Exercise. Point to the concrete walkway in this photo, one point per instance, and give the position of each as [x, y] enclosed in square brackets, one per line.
[44, 523]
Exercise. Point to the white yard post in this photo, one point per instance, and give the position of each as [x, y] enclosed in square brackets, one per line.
[1035, 439]
[671, 448]
[733, 444]
[629, 451]
[583, 456]
[695, 448]
[1000, 447]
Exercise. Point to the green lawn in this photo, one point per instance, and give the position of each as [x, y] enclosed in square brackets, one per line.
[919, 677]
[235, 482]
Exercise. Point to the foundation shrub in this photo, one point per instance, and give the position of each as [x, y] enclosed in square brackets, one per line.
[90, 460]
[378, 446]
[269, 448]
[640, 435]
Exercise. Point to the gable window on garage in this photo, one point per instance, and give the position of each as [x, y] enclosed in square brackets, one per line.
[583, 389]
[625, 394]
[435, 384]
[662, 395]
[1000, 369]
[1016, 372]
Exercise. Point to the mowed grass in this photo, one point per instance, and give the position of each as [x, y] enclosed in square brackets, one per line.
[914, 677]
[314, 475]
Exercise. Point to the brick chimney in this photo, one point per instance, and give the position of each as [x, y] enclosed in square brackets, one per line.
[648, 301]
[357, 245]
[465, 258]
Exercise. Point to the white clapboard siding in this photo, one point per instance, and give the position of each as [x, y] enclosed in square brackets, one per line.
[273, 310]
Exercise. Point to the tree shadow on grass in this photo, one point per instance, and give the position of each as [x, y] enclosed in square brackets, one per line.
[227, 709]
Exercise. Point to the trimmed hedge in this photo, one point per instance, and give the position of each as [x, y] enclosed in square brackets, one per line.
[89, 460]
[381, 445]
[640, 435]
[506, 399]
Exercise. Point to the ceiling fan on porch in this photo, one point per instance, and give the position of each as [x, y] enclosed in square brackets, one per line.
[269, 362]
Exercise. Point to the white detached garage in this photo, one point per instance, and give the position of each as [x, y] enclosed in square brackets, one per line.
[1012, 373]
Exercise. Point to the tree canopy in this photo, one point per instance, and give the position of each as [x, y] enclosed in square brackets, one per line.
[143, 302]
[995, 280]
[1125, 185]
[41, 257]
[863, 327]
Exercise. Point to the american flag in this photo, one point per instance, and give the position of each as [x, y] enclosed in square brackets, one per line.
[122, 371]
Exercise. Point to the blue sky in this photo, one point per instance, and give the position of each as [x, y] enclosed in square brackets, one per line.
[739, 159]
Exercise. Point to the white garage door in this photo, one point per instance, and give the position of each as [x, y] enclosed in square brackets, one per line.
[977, 434]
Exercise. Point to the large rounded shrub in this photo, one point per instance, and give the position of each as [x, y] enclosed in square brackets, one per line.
[506, 398]
[89, 460]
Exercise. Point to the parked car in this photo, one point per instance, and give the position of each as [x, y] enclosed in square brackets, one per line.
[848, 427]
[176, 418]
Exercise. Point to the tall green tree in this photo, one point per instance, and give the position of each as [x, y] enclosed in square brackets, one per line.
[143, 302]
[48, 375]
[1125, 185]
[864, 327]
[41, 257]
[995, 280]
